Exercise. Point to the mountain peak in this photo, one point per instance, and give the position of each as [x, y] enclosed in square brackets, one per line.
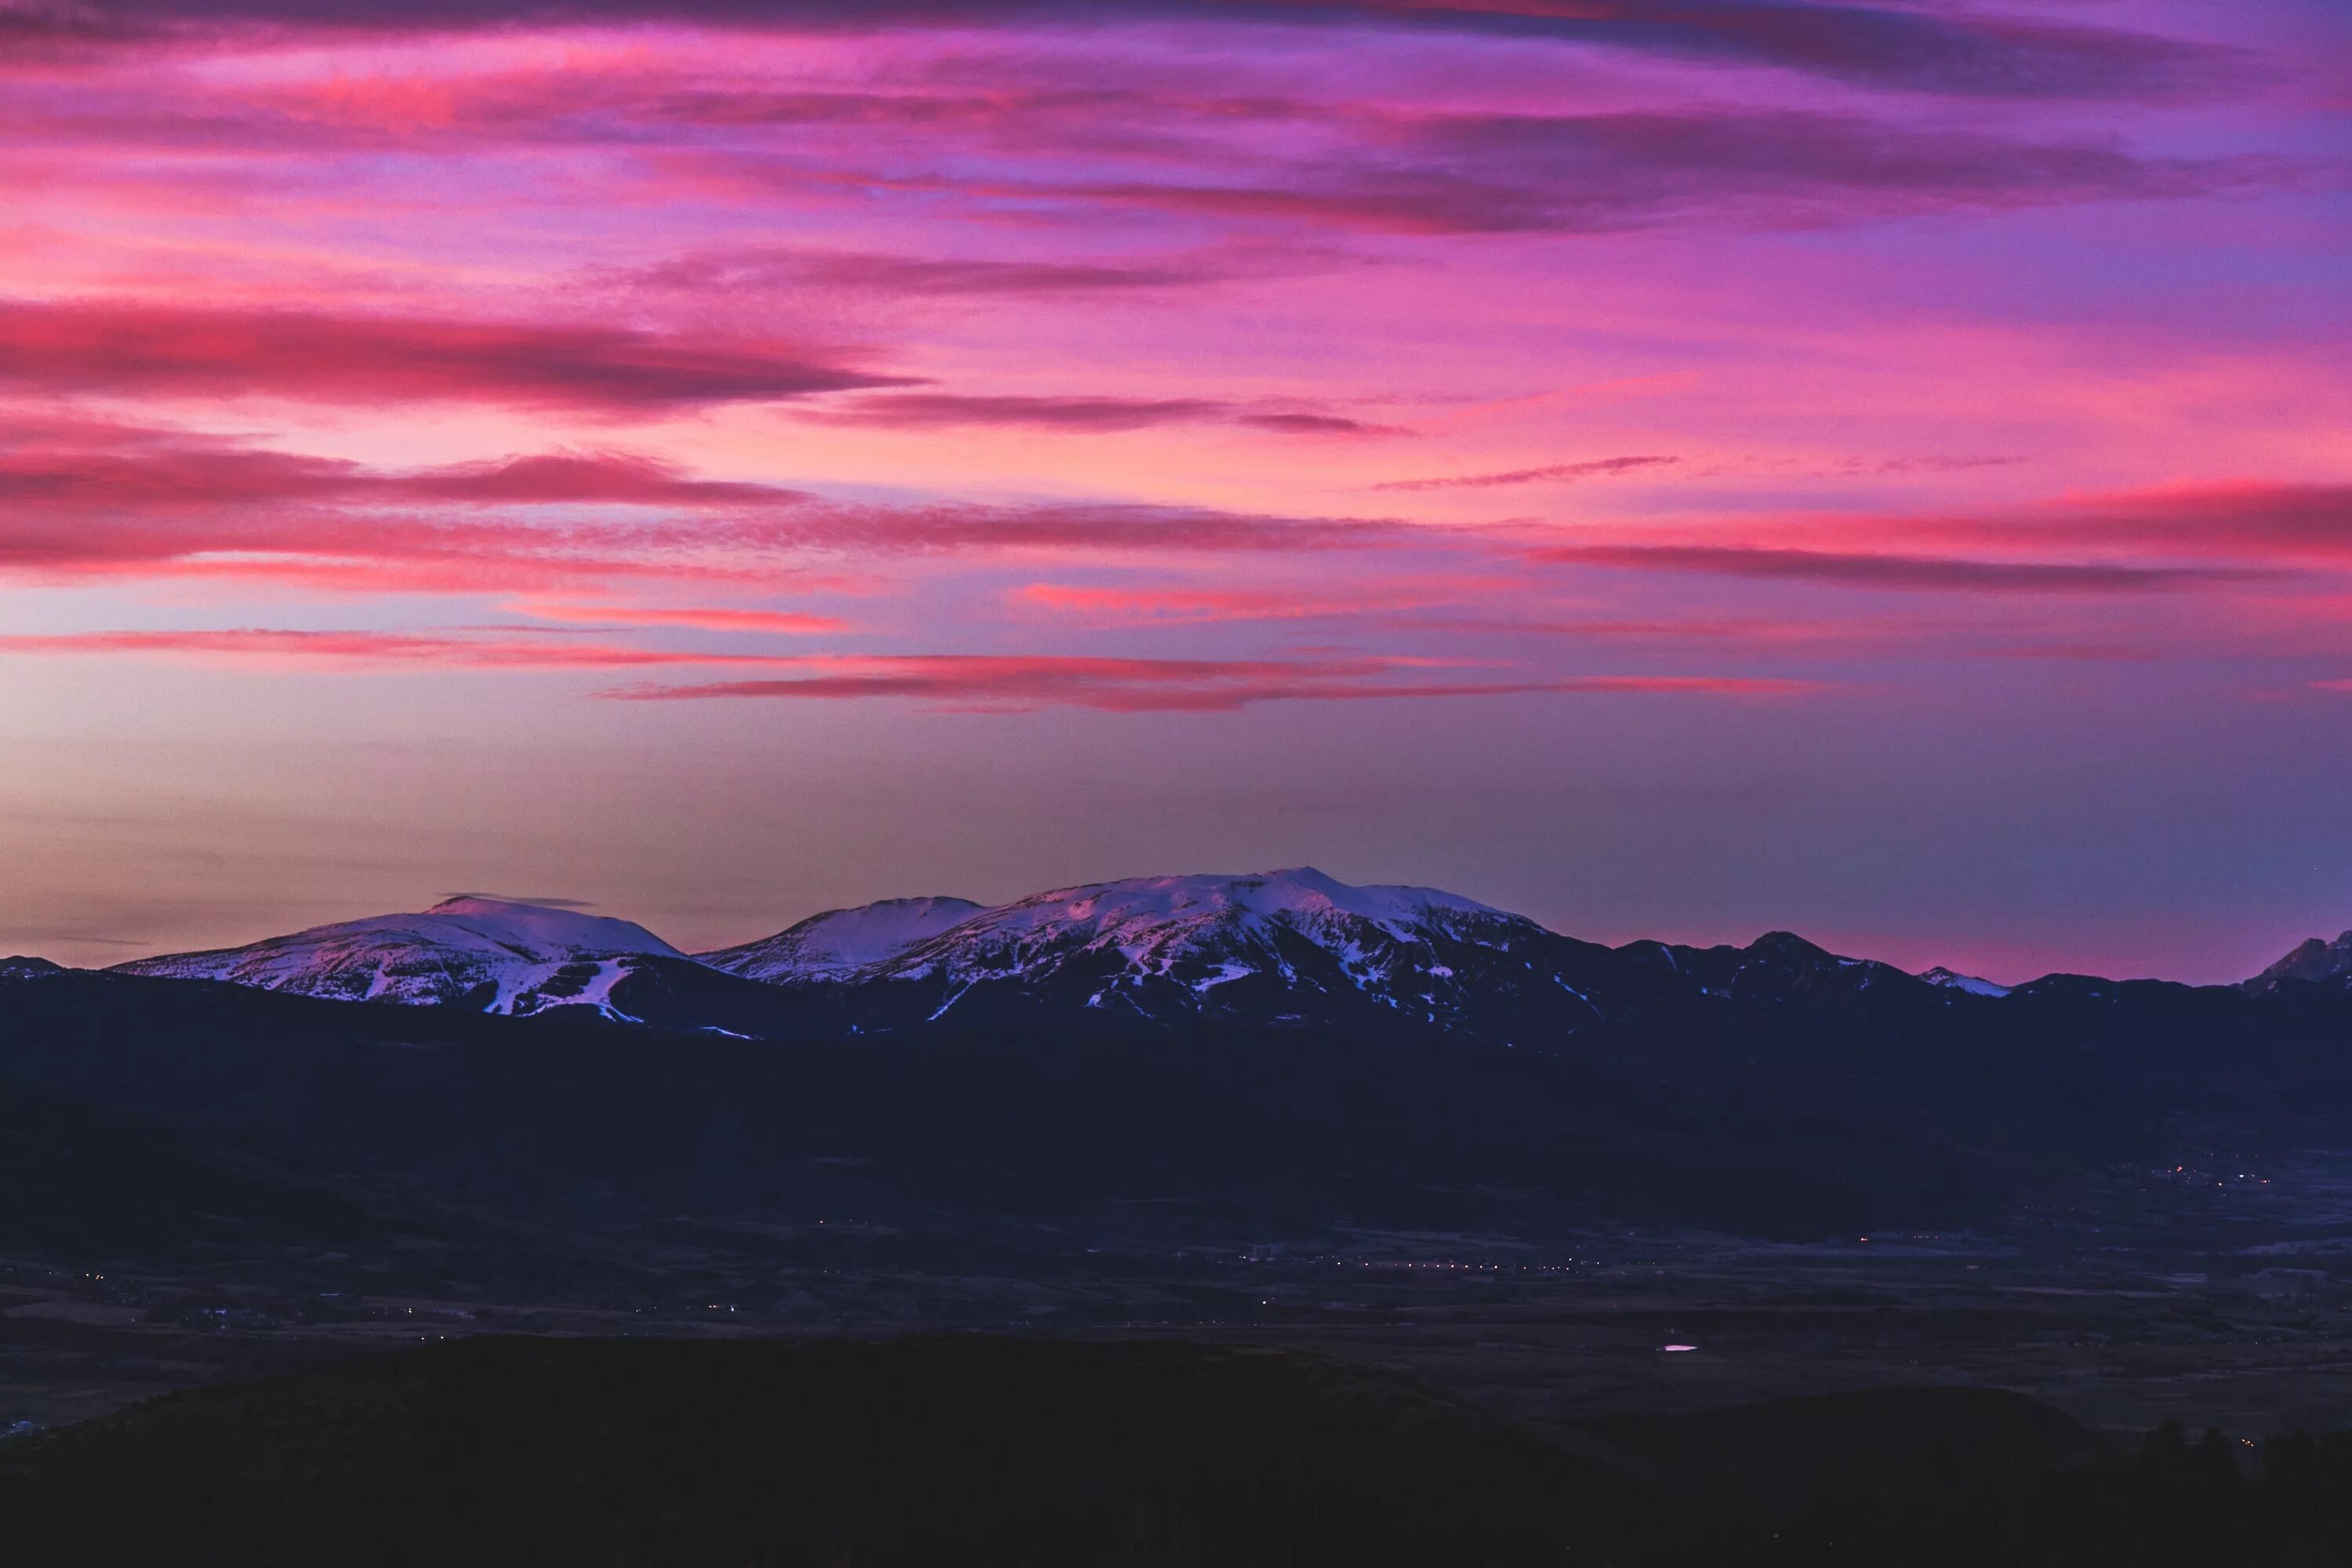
[2315, 959]
[1953, 979]
[1295, 942]
[494, 953]
[1136, 919]
[1788, 944]
[1297, 891]
[484, 904]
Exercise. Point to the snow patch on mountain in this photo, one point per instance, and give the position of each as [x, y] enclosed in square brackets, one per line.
[831, 945]
[1182, 940]
[1139, 911]
[1151, 922]
[1953, 979]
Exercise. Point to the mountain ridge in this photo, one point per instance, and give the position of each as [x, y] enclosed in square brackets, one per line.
[2314, 961]
[1289, 947]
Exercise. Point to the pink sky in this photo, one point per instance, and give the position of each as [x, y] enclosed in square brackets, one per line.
[1674, 469]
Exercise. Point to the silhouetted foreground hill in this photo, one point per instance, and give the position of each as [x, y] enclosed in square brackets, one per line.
[1761, 1465]
[966, 1452]
[1954, 1477]
[984, 1452]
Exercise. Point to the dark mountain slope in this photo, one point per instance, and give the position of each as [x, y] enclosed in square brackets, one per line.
[85, 1183]
[1889, 1106]
[2315, 962]
[565, 1117]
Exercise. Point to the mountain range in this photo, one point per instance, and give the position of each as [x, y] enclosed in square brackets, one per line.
[1291, 947]
[1386, 1055]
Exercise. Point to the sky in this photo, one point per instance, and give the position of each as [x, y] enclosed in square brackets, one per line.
[1670, 467]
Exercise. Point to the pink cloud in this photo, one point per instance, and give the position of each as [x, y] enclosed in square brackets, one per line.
[1315, 425]
[979, 682]
[1084, 415]
[86, 499]
[922, 410]
[778, 268]
[1016, 683]
[2246, 519]
[1591, 468]
[1882, 46]
[127, 346]
[1409, 171]
[794, 623]
[2251, 525]
[1197, 605]
[1907, 572]
[365, 650]
[114, 467]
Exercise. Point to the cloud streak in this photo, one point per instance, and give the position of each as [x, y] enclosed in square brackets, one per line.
[787, 623]
[2245, 519]
[135, 347]
[365, 650]
[1593, 468]
[1019, 683]
[1077, 415]
[1942, 574]
[783, 269]
[1879, 45]
[961, 682]
[1199, 605]
[89, 500]
[93, 468]
[1411, 172]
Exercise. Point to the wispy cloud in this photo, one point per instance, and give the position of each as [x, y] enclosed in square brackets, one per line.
[367, 651]
[1015, 683]
[1416, 172]
[92, 500]
[973, 682]
[1881, 46]
[1908, 572]
[1083, 416]
[1595, 468]
[805, 269]
[2251, 519]
[1172, 604]
[137, 347]
[708, 619]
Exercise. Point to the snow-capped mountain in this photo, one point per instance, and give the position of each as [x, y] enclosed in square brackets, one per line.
[1953, 979]
[833, 944]
[1288, 949]
[1281, 946]
[487, 955]
[2317, 961]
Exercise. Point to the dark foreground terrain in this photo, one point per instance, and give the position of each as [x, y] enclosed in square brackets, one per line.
[981, 1451]
[652, 1287]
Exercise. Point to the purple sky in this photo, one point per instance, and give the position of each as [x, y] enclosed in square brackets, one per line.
[1670, 469]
